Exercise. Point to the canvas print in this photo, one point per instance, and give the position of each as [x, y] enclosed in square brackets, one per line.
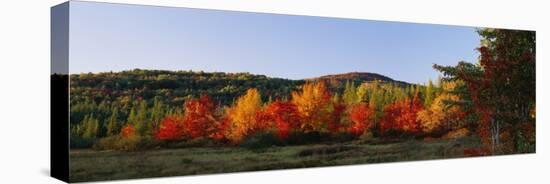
[168, 91]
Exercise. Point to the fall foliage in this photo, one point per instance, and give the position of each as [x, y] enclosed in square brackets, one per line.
[283, 116]
[171, 128]
[199, 119]
[360, 117]
[128, 131]
[242, 116]
[312, 105]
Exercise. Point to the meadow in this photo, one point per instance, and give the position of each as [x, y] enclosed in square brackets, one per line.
[90, 165]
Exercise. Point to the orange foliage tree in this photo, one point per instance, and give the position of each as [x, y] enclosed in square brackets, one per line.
[198, 121]
[199, 118]
[241, 118]
[312, 105]
[281, 115]
[336, 116]
[128, 131]
[438, 114]
[401, 116]
[360, 117]
[171, 128]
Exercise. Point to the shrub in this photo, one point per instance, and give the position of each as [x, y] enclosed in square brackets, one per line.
[344, 137]
[463, 132]
[106, 143]
[79, 142]
[298, 137]
[197, 142]
[262, 140]
[131, 143]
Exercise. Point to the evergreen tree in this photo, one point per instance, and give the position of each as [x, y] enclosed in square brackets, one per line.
[362, 93]
[91, 125]
[113, 126]
[157, 113]
[429, 94]
[350, 94]
[132, 117]
[142, 118]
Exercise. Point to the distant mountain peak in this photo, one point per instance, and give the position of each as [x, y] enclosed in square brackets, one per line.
[357, 77]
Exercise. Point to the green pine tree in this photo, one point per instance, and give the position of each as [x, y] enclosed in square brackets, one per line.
[429, 94]
[113, 126]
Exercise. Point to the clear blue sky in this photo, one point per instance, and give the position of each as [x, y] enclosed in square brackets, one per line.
[115, 37]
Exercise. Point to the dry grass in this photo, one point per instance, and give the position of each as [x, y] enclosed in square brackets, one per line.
[89, 165]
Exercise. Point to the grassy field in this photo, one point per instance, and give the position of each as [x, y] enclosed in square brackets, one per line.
[90, 165]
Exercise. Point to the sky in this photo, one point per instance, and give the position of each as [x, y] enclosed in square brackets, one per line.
[114, 37]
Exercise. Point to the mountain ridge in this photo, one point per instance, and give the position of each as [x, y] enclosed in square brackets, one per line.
[358, 77]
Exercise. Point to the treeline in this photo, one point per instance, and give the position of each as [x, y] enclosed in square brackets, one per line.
[101, 102]
[361, 111]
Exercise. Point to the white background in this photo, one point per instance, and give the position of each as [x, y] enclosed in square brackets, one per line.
[25, 70]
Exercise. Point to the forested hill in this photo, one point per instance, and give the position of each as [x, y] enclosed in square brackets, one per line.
[173, 87]
[100, 95]
[357, 78]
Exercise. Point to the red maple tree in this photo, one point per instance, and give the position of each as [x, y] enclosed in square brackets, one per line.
[199, 119]
[283, 116]
[171, 128]
[360, 117]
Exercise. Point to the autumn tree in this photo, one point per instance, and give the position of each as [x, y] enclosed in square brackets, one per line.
[350, 93]
[199, 118]
[408, 120]
[312, 102]
[337, 111]
[128, 131]
[362, 92]
[242, 116]
[401, 117]
[361, 119]
[170, 128]
[283, 116]
[441, 113]
[376, 103]
[501, 86]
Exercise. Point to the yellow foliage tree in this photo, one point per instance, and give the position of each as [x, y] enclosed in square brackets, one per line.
[242, 116]
[312, 104]
[438, 112]
[432, 117]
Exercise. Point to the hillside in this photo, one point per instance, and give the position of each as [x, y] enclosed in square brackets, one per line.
[94, 93]
[173, 87]
[357, 78]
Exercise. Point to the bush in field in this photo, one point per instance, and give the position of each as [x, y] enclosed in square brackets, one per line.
[107, 143]
[262, 140]
[197, 142]
[128, 131]
[132, 143]
[299, 137]
[79, 142]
